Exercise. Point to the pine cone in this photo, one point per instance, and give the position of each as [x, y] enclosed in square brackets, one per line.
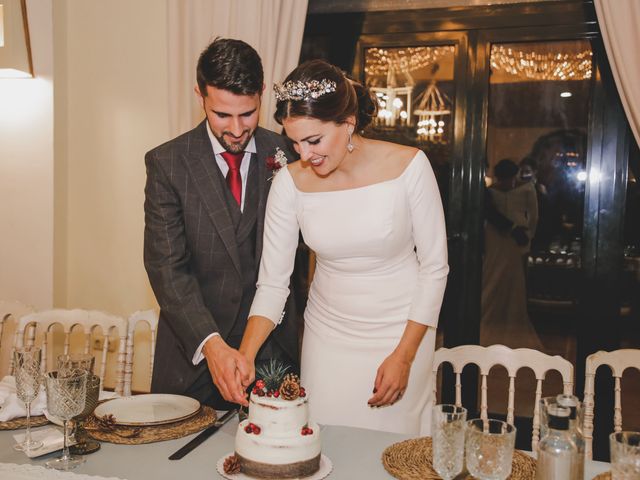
[231, 465]
[107, 423]
[290, 387]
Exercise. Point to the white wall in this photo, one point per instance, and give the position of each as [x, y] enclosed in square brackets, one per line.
[111, 107]
[26, 172]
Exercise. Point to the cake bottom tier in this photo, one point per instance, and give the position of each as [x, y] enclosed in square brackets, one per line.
[290, 470]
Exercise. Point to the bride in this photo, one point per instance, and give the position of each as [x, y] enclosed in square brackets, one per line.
[371, 212]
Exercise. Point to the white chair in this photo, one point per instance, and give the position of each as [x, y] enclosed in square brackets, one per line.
[68, 319]
[513, 360]
[151, 318]
[10, 313]
[618, 361]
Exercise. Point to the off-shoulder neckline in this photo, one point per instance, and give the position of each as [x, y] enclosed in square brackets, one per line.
[383, 182]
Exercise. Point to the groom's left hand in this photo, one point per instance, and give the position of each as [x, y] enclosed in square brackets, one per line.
[391, 380]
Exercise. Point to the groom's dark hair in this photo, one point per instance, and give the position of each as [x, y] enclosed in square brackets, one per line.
[231, 65]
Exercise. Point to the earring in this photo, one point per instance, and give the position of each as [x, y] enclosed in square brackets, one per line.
[350, 145]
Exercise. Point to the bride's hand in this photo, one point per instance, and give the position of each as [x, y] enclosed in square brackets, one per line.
[391, 380]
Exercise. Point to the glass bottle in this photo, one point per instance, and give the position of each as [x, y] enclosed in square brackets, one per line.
[575, 430]
[557, 451]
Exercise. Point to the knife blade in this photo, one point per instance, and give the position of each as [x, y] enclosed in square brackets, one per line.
[202, 436]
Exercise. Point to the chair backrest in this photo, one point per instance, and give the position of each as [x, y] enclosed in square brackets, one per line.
[10, 313]
[68, 319]
[513, 360]
[618, 361]
[151, 318]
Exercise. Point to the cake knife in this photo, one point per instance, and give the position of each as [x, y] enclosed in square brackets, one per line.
[202, 436]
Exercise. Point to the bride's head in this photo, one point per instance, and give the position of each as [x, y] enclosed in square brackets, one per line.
[321, 111]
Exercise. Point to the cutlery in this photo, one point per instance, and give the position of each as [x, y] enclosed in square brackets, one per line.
[202, 436]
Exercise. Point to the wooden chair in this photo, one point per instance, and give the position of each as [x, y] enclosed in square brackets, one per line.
[68, 320]
[618, 361]
[513, 360]
[151, 318]
[10, 313]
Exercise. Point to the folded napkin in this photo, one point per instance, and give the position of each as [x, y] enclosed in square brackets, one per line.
[11, 407]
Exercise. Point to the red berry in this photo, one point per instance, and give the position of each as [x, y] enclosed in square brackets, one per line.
[261, 393]
[248, 429]
[302, 390]
[260, 384]
[256, 430]
[304, 430]
[269, 393]
[254, 391]
[302, 394]
[276, 393]
[309, 431]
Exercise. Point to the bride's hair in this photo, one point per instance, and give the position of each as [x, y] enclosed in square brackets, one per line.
[348, 99]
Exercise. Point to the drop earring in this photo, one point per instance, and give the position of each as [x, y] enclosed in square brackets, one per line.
[350, 145]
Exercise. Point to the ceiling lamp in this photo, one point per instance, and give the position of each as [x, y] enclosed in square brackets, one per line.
[15, 48]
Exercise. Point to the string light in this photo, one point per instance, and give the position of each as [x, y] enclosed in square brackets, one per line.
[542, 66]
[379, 61]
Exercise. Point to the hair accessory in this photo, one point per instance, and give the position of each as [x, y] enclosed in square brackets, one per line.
[297, 90]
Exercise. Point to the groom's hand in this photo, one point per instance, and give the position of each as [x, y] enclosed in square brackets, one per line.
[227, 367]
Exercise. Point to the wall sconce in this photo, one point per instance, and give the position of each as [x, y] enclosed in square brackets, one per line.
[15, 47]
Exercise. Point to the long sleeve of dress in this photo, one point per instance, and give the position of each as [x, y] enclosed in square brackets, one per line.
[279, 249]
[430, 237]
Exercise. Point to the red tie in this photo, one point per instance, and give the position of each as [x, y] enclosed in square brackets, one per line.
[234, 180]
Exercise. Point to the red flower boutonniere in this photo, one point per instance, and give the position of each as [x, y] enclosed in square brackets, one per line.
[276, 162]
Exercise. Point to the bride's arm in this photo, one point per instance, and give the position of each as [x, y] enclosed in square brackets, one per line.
[429, 235]
[280, 241]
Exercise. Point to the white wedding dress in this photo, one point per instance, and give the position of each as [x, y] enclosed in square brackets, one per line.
[381, 260]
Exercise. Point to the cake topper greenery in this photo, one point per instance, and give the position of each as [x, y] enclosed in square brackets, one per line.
[272, 374]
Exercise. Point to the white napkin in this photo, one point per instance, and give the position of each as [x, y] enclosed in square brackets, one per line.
[11, 407]
[52, 439]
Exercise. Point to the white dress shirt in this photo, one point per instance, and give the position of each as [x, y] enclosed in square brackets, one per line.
[198, 356]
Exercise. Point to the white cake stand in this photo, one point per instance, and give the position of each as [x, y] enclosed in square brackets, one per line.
[325, 469]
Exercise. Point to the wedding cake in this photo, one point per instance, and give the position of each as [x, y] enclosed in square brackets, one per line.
[277, 440]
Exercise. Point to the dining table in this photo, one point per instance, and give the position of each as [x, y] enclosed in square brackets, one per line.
[354, 452]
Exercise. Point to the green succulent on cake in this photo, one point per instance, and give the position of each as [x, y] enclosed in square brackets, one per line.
[272, 374]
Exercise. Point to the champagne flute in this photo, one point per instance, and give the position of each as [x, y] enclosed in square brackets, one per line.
[66, 396]
[27, 362]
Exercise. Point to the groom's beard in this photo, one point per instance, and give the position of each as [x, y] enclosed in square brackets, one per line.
[234, 144]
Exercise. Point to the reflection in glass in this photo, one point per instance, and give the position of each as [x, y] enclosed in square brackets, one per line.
[414, 87]
[537, 123]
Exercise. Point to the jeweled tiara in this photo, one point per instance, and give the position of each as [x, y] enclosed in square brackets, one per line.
[297, 90]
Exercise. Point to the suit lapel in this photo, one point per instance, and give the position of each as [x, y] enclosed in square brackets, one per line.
[201, 165]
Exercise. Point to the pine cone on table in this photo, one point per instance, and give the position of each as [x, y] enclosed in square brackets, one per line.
[231, 465]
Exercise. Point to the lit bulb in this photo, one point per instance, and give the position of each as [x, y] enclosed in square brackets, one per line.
[403, 115]
[397, 103]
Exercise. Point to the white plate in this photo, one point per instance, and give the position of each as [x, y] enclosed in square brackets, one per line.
[148, 409]
[325, 469]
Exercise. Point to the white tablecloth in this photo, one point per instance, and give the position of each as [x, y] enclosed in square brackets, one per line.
[34, 472]
[355, 454]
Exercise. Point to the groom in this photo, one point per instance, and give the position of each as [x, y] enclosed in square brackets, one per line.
[204, 208]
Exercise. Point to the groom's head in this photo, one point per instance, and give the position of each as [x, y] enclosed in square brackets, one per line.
[230, 83]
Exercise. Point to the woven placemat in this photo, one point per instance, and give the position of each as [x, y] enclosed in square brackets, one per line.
[603, 476]
[411, 460]
[21, 422]
[125, 435]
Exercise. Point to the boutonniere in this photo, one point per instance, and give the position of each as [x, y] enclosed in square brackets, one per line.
[276, 162]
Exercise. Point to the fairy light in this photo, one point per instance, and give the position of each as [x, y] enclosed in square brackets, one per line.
[542, 66]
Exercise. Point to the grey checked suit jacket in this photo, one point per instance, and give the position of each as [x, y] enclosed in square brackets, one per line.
[191, 253]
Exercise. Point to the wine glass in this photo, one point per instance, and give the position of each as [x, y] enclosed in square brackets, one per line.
[85, 444]
[447, 433]
[27, 362]
[81, 361]
[66, 394]
[489, 448]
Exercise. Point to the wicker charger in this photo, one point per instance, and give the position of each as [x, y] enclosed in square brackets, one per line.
[412, 460]
[127, 435]
[21, 422]
[603, 476]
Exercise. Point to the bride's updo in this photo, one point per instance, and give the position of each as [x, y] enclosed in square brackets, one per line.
[317, 89]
